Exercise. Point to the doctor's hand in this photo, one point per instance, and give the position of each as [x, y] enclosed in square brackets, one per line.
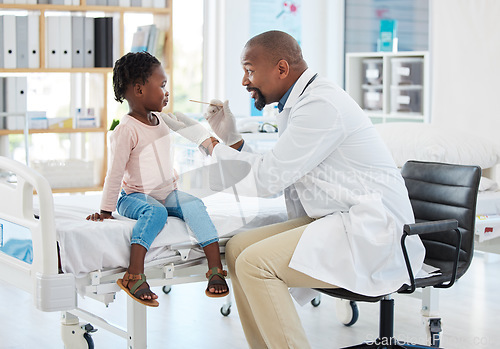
[186, 127]
[221, 120]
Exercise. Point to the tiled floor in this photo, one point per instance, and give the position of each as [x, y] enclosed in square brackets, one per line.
[187, 318]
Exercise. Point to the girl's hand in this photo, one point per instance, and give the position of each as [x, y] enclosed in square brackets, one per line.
[99, 217]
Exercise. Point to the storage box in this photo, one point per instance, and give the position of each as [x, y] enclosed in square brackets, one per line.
[37, 120]
[407, 71]
[406, 99]
[55, 123]
[86, 118]
[372, 70]
[372, 97]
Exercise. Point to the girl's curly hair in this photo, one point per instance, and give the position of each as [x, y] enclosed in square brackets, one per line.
[134, 67]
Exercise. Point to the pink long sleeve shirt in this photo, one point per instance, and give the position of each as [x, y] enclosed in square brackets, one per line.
[140, 160]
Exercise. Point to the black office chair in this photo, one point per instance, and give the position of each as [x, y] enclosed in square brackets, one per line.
[443, 197]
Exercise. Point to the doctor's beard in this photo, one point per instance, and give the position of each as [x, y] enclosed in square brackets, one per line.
[260, 101]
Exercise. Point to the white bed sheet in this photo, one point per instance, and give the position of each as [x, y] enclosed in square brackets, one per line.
[488, 203]
[87, 246]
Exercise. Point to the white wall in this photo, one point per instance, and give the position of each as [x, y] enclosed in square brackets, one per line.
[322, 44]
[465, 47]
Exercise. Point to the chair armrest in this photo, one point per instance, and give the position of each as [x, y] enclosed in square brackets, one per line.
[444, 226]
[430, 227]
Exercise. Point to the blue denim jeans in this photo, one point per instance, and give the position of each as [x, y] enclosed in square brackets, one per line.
[151, 216]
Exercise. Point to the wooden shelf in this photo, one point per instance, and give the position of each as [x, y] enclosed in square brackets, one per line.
[162, 17]
[76, 190]
[55, 130]
[72, 8]
[58, 70]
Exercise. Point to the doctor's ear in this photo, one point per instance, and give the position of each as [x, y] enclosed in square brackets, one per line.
[283, 68]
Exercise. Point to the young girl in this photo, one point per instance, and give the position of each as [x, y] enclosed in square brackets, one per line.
[141, 181]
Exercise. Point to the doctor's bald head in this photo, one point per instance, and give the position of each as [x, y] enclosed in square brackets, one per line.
[279, 45]
[272, 62]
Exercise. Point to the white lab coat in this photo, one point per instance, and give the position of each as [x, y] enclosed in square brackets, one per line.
[334, 167]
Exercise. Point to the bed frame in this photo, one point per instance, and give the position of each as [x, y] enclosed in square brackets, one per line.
[54, 291]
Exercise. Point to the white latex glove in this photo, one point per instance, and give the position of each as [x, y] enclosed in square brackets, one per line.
[186, 127]
[222, 122]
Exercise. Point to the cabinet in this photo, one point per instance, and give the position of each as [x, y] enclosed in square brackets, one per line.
[80, 164]
[390, 86]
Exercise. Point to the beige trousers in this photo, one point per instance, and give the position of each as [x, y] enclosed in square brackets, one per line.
[258, 264]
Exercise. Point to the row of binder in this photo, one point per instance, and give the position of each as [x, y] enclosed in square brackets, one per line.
[121, 3]
[128, 3]
[79, 42]
[19, 41]
[71, 42]
[13, 102]
[40, 2]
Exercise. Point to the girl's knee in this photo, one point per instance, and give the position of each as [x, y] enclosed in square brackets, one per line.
[156, 213]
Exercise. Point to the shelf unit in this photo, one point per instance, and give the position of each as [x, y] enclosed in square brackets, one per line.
[390, 86]
[162, 18]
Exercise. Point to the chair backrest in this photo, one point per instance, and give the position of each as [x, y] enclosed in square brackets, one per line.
[443, 191]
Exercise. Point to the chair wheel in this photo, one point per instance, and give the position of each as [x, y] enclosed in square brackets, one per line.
[225, 309]
[347, 312]
[316, 301]
[434, 332]
[166, 289]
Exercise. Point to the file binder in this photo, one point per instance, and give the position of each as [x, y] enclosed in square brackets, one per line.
[78, 48]
[65, 44]
[21, 41]
[33, 41]
[21, 101]
[10, 102]
[15, 102]
[159, 3]
[100, 42]
[103, 41]
[9, 41]
[2, 104]
[88, 42]
[53, 38]
[109, 41]
[1, 44]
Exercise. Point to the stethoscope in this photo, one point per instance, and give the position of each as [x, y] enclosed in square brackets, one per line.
[309, 83]
[268, 127]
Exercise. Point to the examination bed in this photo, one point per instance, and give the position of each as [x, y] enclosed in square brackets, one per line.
[43, 229]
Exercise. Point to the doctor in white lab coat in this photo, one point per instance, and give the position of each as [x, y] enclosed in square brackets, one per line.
[346, 199]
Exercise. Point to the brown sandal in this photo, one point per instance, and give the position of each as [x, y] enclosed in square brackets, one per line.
[133, 291]
[220, 273]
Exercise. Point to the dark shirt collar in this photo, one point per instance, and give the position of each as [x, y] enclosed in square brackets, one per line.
[282, 101]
